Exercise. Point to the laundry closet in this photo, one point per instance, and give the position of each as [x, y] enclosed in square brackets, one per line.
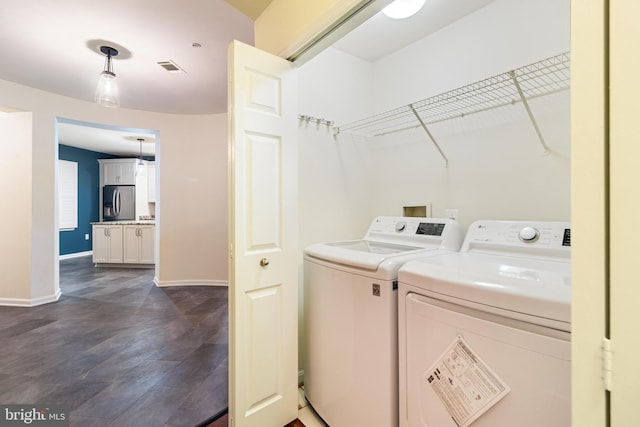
[421, 126]
[492, 164]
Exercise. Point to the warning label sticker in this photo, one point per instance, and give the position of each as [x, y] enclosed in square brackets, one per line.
[465, 385]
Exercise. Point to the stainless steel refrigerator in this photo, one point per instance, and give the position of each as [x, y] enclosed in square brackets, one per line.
[118, 202]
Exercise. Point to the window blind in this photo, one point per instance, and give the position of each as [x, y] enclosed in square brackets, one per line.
[67, 195]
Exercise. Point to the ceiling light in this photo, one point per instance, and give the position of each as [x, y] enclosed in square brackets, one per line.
[107, 91]
[401, 9]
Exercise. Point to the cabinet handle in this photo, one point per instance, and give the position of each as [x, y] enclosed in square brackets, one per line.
[264, 262]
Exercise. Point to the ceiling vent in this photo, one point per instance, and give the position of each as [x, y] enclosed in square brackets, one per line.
[171, 67]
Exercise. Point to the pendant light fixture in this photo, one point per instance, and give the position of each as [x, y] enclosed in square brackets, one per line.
[140, 166]
[107, 93]
[401, 9]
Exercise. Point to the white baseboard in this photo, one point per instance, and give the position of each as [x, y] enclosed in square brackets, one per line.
[23, 302]
[168, 283]
[76, 255]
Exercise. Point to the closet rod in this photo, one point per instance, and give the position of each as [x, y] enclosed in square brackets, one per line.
[545, 77]
[459, 116]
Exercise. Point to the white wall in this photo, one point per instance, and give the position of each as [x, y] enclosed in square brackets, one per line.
[496, 167]
[193, 201]
[496, 164]
[335, 191]
[15, 164]
[335, 194]
[44, 158]
[192, 165]
[494, 171]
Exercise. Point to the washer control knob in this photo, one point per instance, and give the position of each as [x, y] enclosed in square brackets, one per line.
[529, 234]
[400, 226]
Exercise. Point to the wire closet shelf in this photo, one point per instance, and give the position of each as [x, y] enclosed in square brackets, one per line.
[531, 81]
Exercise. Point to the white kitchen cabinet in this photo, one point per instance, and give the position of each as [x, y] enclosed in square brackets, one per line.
[107, 244]
[118, 171]
[139, 244]
[124, 244]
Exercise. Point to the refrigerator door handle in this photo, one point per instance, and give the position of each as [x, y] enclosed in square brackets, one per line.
[116, 203]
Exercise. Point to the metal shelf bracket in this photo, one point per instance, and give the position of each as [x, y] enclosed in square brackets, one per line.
[545, 148]
[426, 129]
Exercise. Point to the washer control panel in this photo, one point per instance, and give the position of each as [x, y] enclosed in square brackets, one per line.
[510, 235]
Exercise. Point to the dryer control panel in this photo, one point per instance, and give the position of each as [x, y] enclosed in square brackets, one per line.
[441, 232]
[531, 237]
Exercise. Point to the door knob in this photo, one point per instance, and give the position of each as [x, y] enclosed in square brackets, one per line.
[264, 262]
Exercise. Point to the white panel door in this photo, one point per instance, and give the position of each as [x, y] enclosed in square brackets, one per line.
[624, 209]
[263, 265]
[147, 236]
[131, 244]
[101, 244]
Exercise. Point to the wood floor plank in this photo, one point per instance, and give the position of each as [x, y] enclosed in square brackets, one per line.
[117, 349]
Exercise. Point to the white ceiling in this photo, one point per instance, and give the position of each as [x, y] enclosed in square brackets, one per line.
[54, 46]
[119, 142]
[381, 36]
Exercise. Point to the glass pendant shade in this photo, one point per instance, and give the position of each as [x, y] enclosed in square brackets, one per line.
[140, 165]
[107, 92]
[401, 9]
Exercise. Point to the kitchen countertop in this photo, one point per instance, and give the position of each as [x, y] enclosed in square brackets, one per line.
[128, 222]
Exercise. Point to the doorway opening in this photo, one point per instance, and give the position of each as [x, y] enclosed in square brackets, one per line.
[83, 145]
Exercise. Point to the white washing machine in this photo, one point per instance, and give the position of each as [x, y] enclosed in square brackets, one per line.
[350, 317]
[484, 334]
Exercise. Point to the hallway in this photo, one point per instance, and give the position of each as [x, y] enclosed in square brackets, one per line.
[118, 350]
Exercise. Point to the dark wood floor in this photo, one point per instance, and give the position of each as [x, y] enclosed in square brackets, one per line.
[118, 350]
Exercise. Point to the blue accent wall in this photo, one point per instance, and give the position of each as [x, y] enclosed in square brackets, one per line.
[73, 241]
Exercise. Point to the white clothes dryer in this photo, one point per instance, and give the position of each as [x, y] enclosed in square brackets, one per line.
[350, 317]
[484, 334]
